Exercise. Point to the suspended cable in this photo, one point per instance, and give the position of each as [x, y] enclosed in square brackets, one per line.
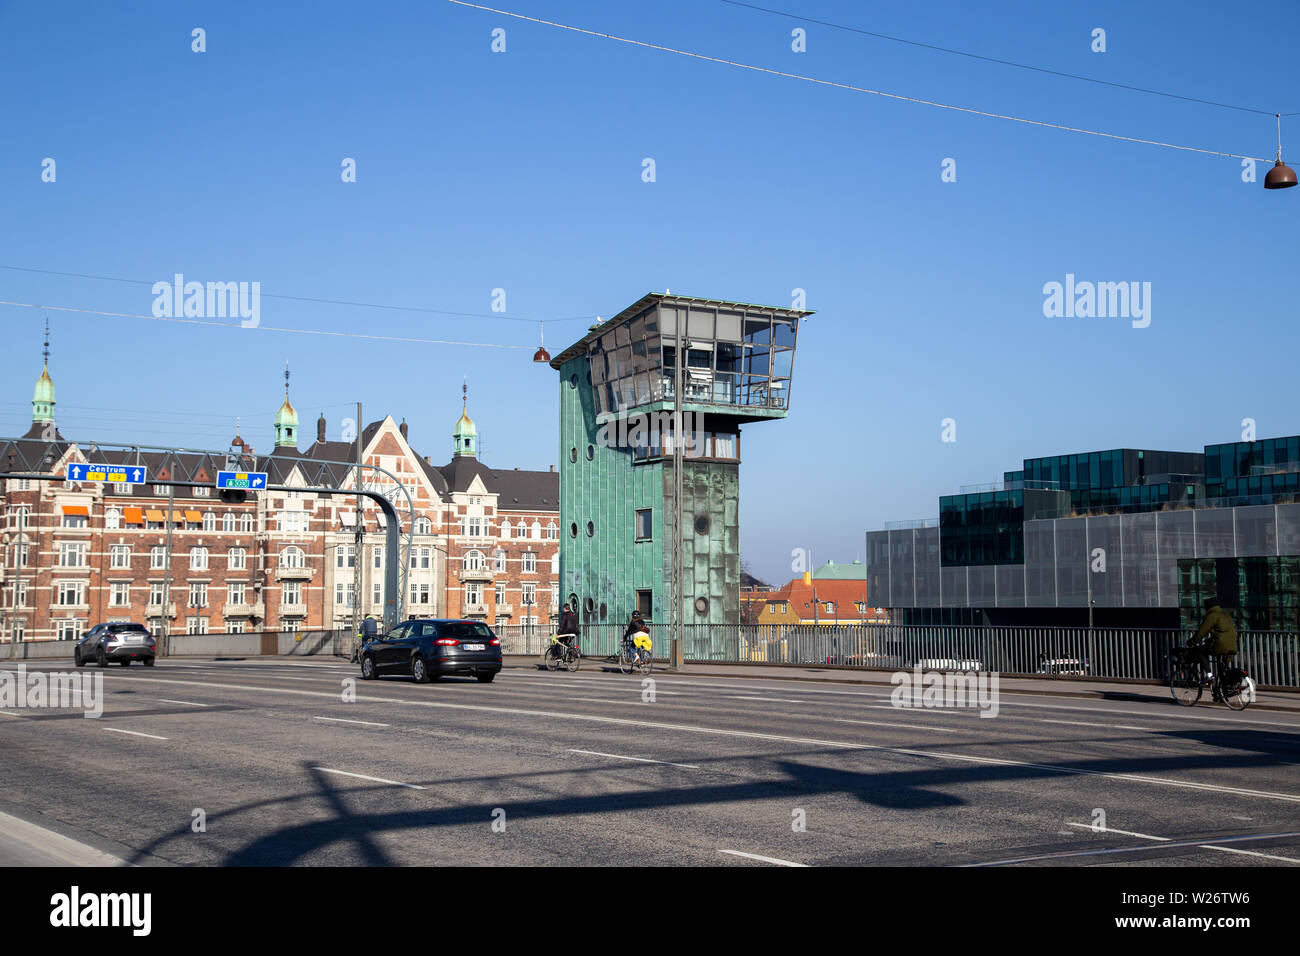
[266, 328]
[857, 89]
[992, 59]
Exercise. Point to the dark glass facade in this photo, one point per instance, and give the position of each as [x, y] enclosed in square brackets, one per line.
[1260, 472]
[1261, 593]
[985, 528]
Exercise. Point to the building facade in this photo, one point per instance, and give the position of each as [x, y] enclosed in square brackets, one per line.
[1140, 537]
[478, 542]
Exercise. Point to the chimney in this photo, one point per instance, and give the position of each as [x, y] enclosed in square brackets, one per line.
[427, 461]
[320, 427]
[403, 430]
[552, 468]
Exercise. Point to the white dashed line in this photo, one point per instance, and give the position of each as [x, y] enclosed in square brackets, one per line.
[187, 703]
[762, 859]
[362, 776]
[667, 763]
[341, 720]
[135, 733]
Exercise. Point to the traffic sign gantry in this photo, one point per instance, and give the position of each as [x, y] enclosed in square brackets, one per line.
[244, 480]
[122, 474]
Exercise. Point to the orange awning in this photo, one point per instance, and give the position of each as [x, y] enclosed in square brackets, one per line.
[81, 510]
[154, 515]
[136, 516]
[178, 517]
[193, 516]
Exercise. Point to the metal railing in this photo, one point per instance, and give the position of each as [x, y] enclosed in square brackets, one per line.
[1271, 657]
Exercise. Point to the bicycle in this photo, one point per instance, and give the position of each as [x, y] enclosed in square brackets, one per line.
[1188, 679]
[638, 658]
[557, 653]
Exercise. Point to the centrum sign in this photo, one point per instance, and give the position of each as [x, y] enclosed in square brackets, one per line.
[122, 474]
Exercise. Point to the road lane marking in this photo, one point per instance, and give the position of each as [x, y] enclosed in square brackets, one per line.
[667, 763]
[341, 720]
[598, 700]
[8, 714]
[763, 859]
[1144, 836]
[1228, 849]
[188, 703]
[135, 733]
[362, 776]
[772, 700]
[754, 735]
[1134, 849]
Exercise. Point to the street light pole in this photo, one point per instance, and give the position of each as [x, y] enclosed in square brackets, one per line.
[678, 484]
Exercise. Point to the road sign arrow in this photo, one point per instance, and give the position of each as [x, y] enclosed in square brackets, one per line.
[74, 471]
[136, 474]
[257, 482]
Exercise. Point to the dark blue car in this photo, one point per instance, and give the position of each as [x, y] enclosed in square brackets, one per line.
[429, 649]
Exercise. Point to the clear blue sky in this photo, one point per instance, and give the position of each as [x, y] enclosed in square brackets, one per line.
[522, 171]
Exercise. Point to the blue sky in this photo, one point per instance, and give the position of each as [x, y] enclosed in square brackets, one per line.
[522, 170]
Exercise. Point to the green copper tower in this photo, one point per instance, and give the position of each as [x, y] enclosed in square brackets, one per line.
[286, 419]
[618, 486]
[43, 394]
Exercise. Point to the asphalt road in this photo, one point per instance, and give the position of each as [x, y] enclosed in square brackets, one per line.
[577, 769]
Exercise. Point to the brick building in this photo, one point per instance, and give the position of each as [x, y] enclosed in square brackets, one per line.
[483, 542]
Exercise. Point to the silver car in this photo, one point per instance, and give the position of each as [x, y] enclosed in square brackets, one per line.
[120, 642]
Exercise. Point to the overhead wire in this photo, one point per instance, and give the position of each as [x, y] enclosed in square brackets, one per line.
[854, 89]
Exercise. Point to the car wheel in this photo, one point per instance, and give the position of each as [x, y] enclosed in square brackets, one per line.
[148, 662]
[485, 678]
[100, 659]
[76, 656]
[419, 670]
[367, 667]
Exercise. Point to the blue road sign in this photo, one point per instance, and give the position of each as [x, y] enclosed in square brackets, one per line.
[122, 474]
[246, 480]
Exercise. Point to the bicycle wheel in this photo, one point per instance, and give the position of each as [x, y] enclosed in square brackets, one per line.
[625, 661]
[553, 658]
[647, 663]
[1185, 683]
[1239, 693]
[574, 660]
[546, 652]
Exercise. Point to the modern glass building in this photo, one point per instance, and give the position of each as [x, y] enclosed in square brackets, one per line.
[617, 480]
[1142, 536]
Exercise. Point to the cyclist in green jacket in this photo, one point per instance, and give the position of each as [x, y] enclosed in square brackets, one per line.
[1216, 636]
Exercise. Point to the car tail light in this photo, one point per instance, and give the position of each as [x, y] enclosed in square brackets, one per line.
[447, 641]
[495, 642]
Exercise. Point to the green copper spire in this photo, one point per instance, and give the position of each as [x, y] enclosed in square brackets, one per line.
[464, 437]
[286, 419]
[43, 395]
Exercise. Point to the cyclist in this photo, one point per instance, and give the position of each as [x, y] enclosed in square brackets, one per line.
[365, 633]
[1216, 636]
[635, 626]
[567, 632]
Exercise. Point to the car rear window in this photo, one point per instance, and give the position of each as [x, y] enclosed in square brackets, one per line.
[118, 628]
[465, 629]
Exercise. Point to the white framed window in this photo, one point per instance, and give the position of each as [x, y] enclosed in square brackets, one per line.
[536, 532]
[292, 557]
[18, 484]
[228, 521]
[345, 556]
[19, 517]
[119, 595]
[553, 531]
[529, 562]
[198, 594]
[246, 523]
[162, 490]
[500, 595]
[291, 624]
[74, 521]
[68, 629]
[196, 625]
[112, 519]
[17, 633]
[209, 521]
[376, 592]
[203, 491]
[528, 626]
[472, 526]
[474, 592]
[344, 594]
[198, 559]
[475, 500]
[157, 557]
[499, 560]
[421, 593]
[530, 595]
[423, 526]
[20, 594]
[235, 593]
[291, 592]
[123, 488]
[70, 593]
[72, 554]
[474, 560]
[377, 558]
[555, 596]
[234, 627]
[155, 595]
[555, 563]
[506, 527]
[237, 559]
[119, 556]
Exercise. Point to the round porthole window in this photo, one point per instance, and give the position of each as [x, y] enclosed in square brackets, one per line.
[573, 603]
[573, 530]
[604, 610]
[701, 606]
[573, 455]
[591, 452]
[573, 380]
[591, 528]
[590, 605]
[701, 524]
